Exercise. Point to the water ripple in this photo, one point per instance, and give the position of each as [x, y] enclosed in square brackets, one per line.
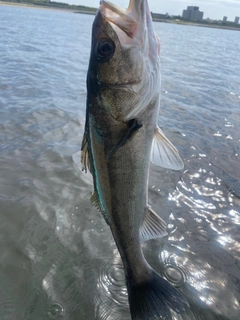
[111, 297]
[52, 240]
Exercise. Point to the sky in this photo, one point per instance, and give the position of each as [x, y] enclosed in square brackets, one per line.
[214, 9]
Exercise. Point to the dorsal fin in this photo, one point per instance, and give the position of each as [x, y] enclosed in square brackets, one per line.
[153, 226]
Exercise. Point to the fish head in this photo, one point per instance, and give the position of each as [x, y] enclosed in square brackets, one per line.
[124, 68]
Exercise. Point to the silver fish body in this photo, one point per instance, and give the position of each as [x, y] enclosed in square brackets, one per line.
[121, 135]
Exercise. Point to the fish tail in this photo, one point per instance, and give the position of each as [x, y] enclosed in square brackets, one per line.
[151, 299]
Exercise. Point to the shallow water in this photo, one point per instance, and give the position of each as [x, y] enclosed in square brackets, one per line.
[57, 258]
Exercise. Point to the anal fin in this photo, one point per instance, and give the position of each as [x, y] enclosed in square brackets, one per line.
[152, 227]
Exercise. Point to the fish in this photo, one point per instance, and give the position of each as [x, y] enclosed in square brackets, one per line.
[120, 140]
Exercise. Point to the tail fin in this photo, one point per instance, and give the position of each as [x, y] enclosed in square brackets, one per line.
[152, 299]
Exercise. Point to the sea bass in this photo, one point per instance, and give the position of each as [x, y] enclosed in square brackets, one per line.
[121, 137]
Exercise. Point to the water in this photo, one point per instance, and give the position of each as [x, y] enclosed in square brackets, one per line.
[57, 256]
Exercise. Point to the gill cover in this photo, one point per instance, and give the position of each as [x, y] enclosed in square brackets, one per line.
[134, 31]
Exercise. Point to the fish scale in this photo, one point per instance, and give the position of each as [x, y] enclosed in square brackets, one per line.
[121, 136]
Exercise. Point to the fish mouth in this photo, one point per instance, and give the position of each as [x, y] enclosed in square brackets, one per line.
[134, 29]
[128, 20]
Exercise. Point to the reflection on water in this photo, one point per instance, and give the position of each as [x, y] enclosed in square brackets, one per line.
[57, 256]
[111, 296]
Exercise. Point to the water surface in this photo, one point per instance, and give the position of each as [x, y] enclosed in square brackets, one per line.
[57, 256]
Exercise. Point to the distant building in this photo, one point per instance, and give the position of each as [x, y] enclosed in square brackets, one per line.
[224, 19]
[209, 20]
[236, 20]
[192, 13]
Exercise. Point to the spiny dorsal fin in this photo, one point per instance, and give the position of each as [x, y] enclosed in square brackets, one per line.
[153, 226]
[85, 155]
[164, 154]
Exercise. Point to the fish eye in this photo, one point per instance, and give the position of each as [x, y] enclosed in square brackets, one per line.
[105, 49]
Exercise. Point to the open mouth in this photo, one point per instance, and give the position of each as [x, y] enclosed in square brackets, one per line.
[119, 17]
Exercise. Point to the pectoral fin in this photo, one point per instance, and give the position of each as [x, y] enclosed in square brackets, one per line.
[133, 127]
[152, 227]
[164, 154]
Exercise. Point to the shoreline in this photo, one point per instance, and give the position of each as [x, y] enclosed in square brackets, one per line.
[193, 24]
[179, 22]
[36, 6]
[30, 5]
